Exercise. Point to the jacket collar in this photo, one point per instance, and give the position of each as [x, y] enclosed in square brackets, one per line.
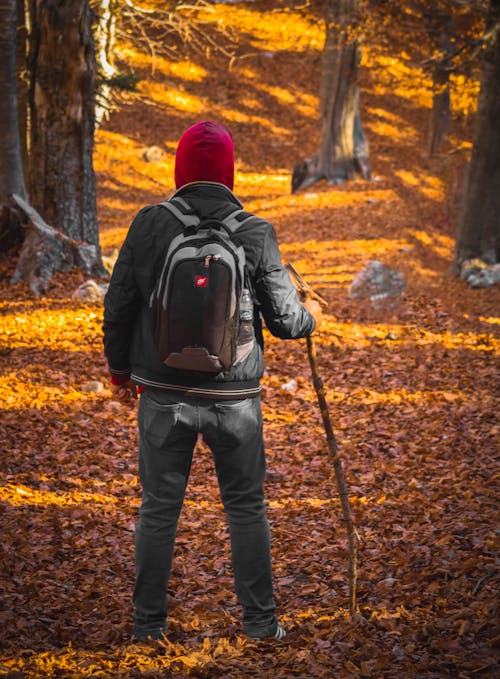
[208, 189]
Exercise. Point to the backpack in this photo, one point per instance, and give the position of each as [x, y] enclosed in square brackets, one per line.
[201, 311]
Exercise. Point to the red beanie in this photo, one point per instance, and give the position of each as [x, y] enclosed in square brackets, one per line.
[205, 153]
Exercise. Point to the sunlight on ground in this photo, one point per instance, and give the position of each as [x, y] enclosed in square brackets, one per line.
[440, 244]
[183, 70]
[363, 396]
[387, 124]
[260, 183]
[272, 31]
[403, 135]
[492, 320]
[396, 75]
[430, 186]
[18, 391]
[22, 495]
[72, 329]
[190, 103]
[313, 258]
[395, 336]
[281, 205]
[306, 104]
[171, 96]
[356, 334]
[19, 495]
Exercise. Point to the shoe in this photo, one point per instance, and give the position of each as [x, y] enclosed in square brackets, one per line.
[279, 634]
[155, 635]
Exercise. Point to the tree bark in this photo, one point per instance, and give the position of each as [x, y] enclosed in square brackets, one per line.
[343, 148]
[62, 181]
[441, 104]
[22, 83]
[104, 36]
[105, 31]
[11, 167]
[479, 223]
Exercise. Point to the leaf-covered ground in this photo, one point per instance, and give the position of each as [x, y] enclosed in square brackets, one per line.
[411, 390]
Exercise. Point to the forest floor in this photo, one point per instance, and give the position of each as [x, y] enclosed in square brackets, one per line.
[411, 391]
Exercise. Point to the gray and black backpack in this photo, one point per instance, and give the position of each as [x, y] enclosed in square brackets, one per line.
[202, 312]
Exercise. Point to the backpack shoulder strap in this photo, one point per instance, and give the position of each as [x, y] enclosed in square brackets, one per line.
[185, 214]
[236, 219]
[182, 211]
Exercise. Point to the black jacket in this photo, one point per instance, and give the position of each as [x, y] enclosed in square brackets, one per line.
[128, 340]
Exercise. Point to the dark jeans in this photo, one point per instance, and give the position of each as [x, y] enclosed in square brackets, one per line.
[168, 430]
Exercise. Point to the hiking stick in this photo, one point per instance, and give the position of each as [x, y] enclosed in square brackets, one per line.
[305, 291]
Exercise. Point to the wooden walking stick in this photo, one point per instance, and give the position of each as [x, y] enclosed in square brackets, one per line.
[305, 291]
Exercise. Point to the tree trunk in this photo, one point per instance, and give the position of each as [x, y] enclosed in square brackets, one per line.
[343, 148]
[105, 31]
[104, 35]
[11, 167]
[22, 69]
[441, 112]
[62, 181]
[479, 224]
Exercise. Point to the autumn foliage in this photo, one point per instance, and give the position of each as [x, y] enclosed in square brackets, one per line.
[411, 389]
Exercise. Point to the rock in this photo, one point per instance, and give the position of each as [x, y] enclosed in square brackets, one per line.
[90, 291]
[92, 387]
[376, 282]
[153, 154]
[479, 274]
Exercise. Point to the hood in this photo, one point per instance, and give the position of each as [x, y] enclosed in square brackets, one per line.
[205, 153]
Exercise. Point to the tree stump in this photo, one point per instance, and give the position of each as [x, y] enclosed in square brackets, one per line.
[46, 250]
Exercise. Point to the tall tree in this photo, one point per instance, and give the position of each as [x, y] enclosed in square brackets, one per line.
[343, 147]
[11, 166]
[61, 126]
[62, 182]
[479, 223]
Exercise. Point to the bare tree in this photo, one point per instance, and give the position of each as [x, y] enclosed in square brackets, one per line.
[343, 148]
[479, 224]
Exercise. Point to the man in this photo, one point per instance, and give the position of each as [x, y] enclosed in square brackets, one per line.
[177, 405]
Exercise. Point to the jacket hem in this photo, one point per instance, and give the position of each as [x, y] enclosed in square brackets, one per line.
[217, 390]
[125, 371]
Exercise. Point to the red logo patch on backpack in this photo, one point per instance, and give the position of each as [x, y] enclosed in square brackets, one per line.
[201, 281]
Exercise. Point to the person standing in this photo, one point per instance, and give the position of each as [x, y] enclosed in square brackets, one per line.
[176, 405]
